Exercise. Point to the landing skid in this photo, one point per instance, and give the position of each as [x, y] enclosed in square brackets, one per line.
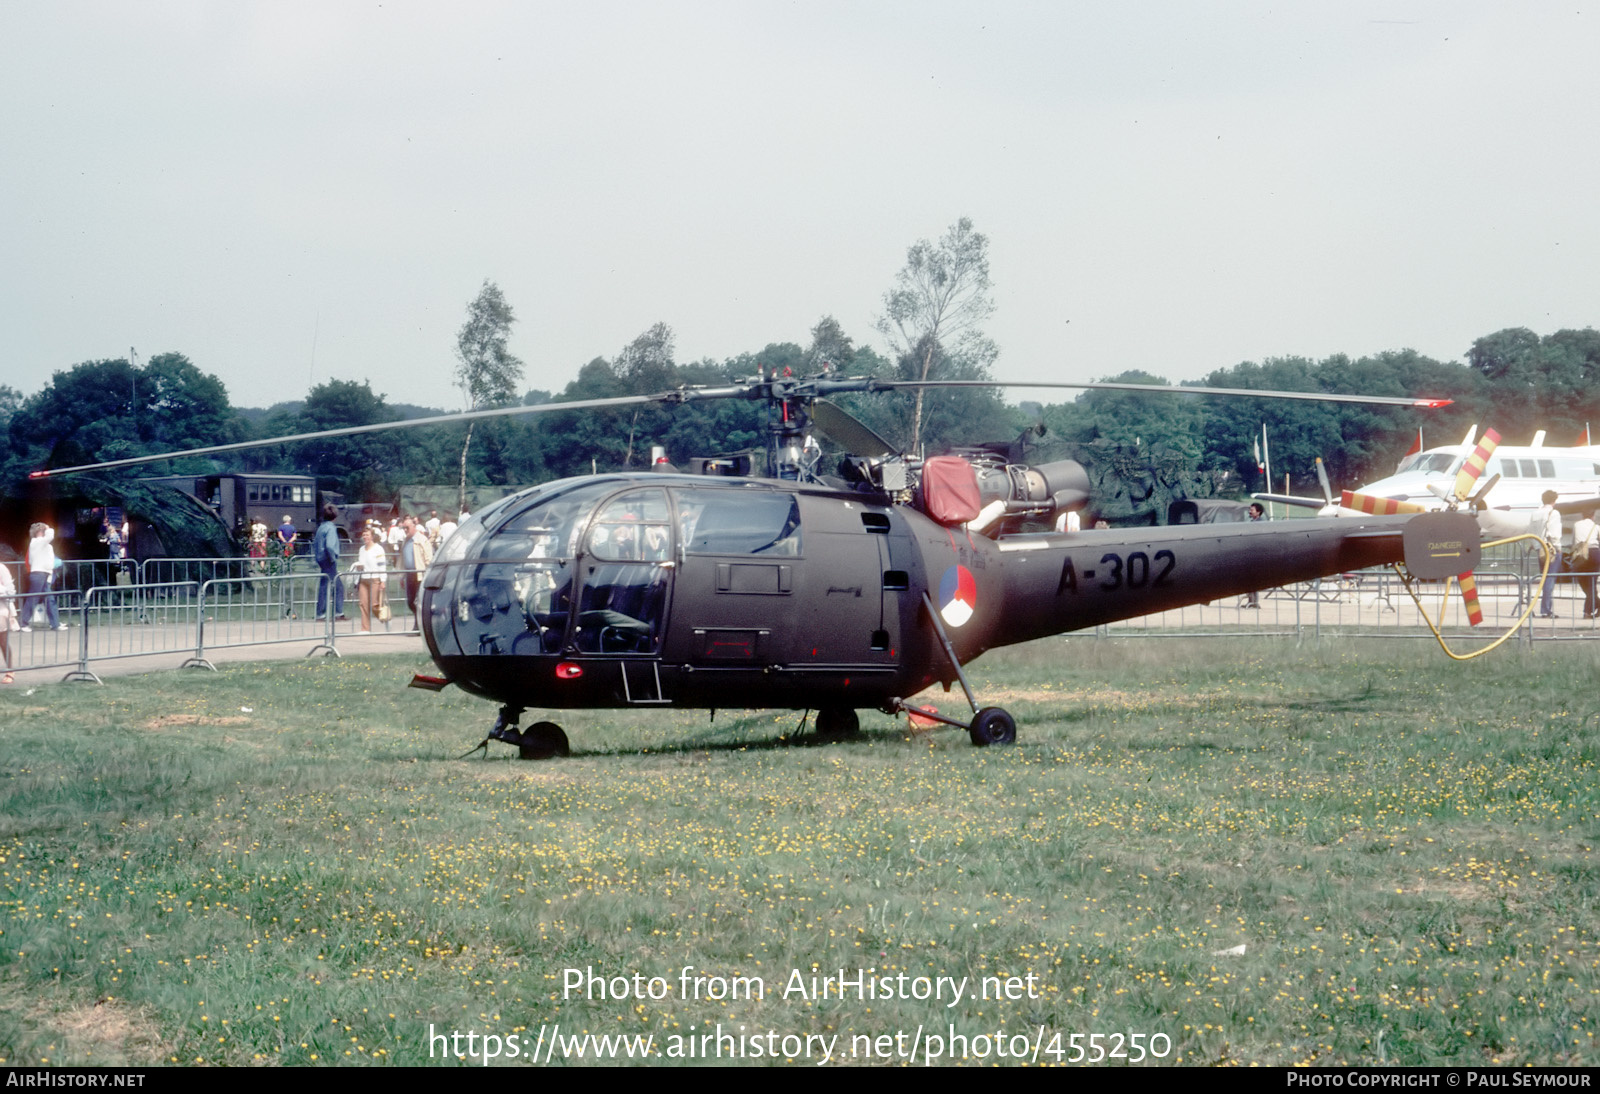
[989, 726]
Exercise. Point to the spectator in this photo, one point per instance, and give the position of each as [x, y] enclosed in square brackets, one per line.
[1252, 599]
[371, 564]
[8, 619]
[325, 550]
[41, 569]
[416, 555]
[1546, 525]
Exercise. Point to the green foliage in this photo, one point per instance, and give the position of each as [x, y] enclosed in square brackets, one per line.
[1547, 383]
[487, 373]
[620, 439]
[361, 467]
[187, 527]
[934, 314]
[107, 410]
[1142, 451]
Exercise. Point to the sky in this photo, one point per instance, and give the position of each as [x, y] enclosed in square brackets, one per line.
[289, 193]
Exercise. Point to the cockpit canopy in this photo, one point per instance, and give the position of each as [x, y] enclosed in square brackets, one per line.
[585, 565]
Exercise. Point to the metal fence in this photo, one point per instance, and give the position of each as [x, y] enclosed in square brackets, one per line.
[218, 604]
[1374, 604]
[135, 621]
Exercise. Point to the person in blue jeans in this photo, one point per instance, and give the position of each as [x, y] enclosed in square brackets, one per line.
[42, 565]
[1546, 525]
[325, 550]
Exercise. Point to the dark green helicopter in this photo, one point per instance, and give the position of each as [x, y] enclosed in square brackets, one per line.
[798, 590]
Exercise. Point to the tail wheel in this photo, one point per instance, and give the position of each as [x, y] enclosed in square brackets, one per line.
[542, 740]
[993, 726]
[837, 722]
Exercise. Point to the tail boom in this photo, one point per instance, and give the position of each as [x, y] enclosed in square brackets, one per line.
[1065, 582]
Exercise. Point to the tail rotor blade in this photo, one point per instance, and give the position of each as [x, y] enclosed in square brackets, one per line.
[1379, 507]
[1475, 463]
[1469, 598]
[1477, 499]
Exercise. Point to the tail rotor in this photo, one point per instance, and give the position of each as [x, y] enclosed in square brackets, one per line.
[1466, 478]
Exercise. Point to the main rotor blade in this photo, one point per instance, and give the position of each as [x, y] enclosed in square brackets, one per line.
[803, 387]
[350, 431]
[1293, 499]
[850, 432]
[1237, 392]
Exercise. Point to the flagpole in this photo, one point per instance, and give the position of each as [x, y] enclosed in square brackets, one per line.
[1266, 456]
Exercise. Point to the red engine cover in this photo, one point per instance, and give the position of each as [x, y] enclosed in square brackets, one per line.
[950, 490]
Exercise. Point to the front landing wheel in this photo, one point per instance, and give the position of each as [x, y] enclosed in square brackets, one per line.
[993, 726]
[542, 740]
[837, 722]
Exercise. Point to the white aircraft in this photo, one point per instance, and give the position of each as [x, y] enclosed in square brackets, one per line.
[1514, 479]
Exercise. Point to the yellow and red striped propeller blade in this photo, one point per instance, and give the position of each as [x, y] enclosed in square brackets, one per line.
[1469, 598]
[1473, 468]
[1378, 507]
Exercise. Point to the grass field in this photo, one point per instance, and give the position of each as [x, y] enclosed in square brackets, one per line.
[1241, 852]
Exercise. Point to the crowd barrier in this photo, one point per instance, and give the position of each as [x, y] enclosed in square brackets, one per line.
[221, 604]
[135, 621]
[1367, 604]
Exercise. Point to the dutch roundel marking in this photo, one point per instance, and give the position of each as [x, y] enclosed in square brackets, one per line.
[958, 595]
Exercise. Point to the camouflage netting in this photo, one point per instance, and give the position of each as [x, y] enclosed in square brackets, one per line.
[186, 527]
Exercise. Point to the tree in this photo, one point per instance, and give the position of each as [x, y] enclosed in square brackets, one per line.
[937, 305]
[487, 373]
[103, 410]
[10, 403]
[831, 347]
[646, 364]
[358, 465]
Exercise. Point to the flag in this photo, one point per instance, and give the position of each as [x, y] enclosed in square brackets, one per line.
[1416, 446]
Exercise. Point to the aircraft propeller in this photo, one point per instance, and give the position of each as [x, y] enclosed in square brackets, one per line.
[1471, 468]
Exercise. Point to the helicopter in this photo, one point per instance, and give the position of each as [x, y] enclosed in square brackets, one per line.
[831, 593]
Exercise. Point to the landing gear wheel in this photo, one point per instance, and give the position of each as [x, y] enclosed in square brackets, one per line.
[837, 722]
[993, 726]
[543, 740]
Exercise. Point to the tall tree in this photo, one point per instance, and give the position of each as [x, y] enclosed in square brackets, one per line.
[101, 410]
[486, 372]
[940, 299]
[360, 466]
[831, 347]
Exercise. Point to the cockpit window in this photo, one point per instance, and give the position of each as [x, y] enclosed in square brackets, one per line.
[625, 577]
[514, 594]
[549, 527]
[633, 527]
[739, 522]
[1438, 461]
